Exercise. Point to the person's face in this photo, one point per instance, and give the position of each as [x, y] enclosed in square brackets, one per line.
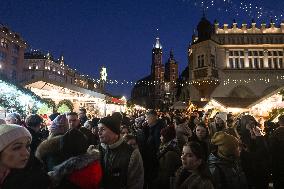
[73, 121]
[16, 154]
[196, 114]
[124, 132]
[151, 119]
[219, 120]
[200, 132]
[81, 114]
[189, 160]
[10, 120]
[132, 143]
[162, 139]
[106, 136]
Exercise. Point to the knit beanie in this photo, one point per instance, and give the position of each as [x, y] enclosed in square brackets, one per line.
[223, 116]
[59, 125]
[11, 132]
[74, 143]
[111, 123]
[169, 133]
[227, 144]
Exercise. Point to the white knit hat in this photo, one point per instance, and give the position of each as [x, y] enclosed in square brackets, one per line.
[10, 133]
[223, 116]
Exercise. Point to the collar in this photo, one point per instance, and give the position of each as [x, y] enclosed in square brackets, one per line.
[114, 145]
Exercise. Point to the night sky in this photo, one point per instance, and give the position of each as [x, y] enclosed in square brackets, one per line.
[119, 34]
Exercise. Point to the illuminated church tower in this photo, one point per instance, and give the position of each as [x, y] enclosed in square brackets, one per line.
[157, 74]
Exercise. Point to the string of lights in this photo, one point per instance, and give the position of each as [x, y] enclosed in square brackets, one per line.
[253, 10]
[224, 81]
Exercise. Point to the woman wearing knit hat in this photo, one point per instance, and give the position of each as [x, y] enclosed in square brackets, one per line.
[194, 173]
[59, 126]
[168, 156]
[223, 164]
[15, 161]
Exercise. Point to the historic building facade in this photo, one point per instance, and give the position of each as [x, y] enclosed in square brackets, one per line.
[159, 88]
[53, 79]
[232, 61]
[12, 48]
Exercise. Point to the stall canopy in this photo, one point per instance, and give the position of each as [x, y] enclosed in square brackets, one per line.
[179, 105]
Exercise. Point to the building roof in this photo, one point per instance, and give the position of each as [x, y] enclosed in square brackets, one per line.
[143, 82]
[199, 104]
[235, 102]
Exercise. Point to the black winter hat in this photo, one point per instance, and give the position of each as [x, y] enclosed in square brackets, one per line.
[74, 143]
[112, 123]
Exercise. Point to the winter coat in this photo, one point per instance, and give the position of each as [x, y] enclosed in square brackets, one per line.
[33, 176]
[191, 180]
[149, 144]
[226, 173]
[169, 162]
[183, 132]
[36, 140]
[255, 164]
[277, 149]
[122, 166]
[49, 152]
[205, 144]
[82, 172]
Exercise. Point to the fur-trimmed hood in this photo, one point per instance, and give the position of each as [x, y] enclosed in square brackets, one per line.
[49, 146]
[73, 164]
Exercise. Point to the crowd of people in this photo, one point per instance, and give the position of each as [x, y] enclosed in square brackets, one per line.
[144, 150]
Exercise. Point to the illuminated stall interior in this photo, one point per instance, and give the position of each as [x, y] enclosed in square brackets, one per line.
[80, 97]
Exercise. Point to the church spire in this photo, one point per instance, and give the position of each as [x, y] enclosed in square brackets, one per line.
[158, 44]
[61, 60]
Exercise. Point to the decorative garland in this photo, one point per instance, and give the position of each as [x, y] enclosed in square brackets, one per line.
[16, 98]
[51, 104]
[68, 103]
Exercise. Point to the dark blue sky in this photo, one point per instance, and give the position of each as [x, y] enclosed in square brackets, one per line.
[119, 34]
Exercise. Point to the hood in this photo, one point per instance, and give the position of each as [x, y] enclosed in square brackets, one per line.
[79, 165]
[49, 146]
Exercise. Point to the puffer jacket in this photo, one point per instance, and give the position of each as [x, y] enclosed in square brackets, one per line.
[226, 173]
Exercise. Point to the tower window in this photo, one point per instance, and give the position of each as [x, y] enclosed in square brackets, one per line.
[4, 43]
[2, 56]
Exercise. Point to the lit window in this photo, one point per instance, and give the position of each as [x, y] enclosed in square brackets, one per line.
[15, 48]
[2, 56]
[14, 60]
[4, 43]
[13, 75]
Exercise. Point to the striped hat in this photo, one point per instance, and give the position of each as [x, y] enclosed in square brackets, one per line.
[11, 132]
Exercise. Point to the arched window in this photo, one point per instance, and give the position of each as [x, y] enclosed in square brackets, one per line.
[4, 43]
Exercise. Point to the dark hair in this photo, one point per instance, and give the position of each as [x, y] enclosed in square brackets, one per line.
[72, 114]
[117, 116]
[124, 127]
[202, 124]
[83, 110]
[200, 153]
[34, 120]
[152, 112]
[53, 116]
[129, 137]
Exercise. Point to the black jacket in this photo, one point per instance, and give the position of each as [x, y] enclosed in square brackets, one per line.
[33, 176]
[226, 173]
